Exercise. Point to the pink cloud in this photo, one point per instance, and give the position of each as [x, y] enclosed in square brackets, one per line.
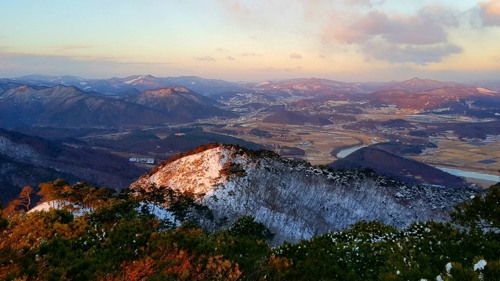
[427, 27]
[295, 56]
[490, 12]
[205, 58]
[418, 54]
[420, 38]
[250, 55]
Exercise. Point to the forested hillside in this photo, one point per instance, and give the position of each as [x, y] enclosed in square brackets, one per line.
[95, 235]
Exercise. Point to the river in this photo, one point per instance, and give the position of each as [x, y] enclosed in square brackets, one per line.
[461, 173]
[469, 174]
[344, 152]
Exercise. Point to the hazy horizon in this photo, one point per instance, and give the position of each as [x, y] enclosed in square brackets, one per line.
[249, 81]
[243, 40]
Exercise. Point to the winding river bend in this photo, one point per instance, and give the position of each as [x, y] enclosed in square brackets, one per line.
[469, 174]
[461, 173]
[344, 152]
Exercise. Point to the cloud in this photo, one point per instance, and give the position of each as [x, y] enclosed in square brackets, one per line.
[229, 58]
[205, 58]
[420, 37]
[427, 27]
[250, 55]
[321, 56]
[295, 56]
[489, 12]
[441, 15]
[417, 54]
[222, 50]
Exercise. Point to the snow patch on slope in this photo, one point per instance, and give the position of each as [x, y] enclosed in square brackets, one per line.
[133, 81]
[485, 91]
[196, 173]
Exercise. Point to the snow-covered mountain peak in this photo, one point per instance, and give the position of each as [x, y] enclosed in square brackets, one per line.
[197, 173]
[295, 199]
[200, 172]
[135, 81]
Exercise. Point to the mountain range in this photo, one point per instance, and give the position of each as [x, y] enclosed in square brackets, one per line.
[113, 86]
[414, 94]
[429, 98]
[68, 106]
[209, 87]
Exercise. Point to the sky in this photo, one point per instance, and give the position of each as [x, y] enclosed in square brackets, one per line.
[253, 40]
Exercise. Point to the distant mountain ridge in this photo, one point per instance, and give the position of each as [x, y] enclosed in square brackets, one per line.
[428, 99]
[417, 84]
[414, 94]
[209, 87]
[180, 102]
[308, 86]
[64, 106]
[68, 106]
[115, 85]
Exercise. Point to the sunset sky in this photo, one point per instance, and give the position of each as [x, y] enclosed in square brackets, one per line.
[253, 40]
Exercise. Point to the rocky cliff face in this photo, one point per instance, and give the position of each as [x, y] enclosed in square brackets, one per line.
[294, 199]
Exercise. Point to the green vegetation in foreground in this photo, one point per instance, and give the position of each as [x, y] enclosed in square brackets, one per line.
[116, 239]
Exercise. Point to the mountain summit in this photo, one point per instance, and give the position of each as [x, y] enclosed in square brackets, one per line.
[416, 84]
[294, 199]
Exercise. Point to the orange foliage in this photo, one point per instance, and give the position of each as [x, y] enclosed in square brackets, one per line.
[179, 264]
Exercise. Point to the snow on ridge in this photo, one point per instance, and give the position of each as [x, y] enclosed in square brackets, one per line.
[197, 173]
[485, 91]
[296, 200]
[134, 80]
